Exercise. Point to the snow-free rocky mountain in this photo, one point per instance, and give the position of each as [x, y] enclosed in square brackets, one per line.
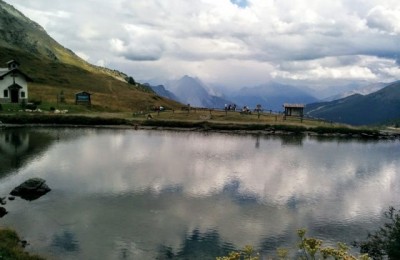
[378, 103]
[380, 107]
[189, 90]
[271, 96]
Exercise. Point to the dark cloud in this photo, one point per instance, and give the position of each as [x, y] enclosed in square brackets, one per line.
[141, 56]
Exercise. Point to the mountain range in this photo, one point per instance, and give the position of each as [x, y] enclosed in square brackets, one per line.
[351, 90]
[270, 96]
[377, 103]
[379, 107]
[55, 68]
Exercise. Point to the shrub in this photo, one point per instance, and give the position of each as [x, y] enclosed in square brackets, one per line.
[11, 246]
[36, 102]
[308, 248]
[385, 242]
[30, 106]
[247, 253]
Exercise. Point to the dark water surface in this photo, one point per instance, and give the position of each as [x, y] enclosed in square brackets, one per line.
[125, 194]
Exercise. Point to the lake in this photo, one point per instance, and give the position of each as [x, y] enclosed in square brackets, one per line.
[126, 194]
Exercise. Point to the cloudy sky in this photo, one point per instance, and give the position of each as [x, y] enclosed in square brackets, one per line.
[231, 42]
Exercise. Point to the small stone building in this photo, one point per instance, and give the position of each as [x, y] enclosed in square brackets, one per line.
[294, 109]
[13, 83]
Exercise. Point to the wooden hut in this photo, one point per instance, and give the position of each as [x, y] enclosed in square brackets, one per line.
[294, 109]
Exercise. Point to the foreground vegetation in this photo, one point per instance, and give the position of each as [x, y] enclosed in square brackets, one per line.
[11, 247]
[383, 243]
[307, 248]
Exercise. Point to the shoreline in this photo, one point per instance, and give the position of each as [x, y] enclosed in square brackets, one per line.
[252, 128]
[242, 130]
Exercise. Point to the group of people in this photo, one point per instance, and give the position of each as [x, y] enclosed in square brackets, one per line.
[246, 109]
[230, 107]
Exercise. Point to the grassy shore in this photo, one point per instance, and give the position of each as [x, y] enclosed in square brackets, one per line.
[11, 246]
[194, 119]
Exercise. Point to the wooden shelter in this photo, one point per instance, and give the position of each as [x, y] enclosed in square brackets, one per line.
[294, 109]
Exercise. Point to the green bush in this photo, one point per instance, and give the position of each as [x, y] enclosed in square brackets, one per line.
[30, 106]
[11, 247]
[308, 248]
[385, 242]
[35, 102]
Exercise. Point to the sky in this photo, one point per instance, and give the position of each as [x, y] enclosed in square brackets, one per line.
[233, 43]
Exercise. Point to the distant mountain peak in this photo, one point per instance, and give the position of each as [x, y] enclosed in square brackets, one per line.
[191, 90]
[378, 107]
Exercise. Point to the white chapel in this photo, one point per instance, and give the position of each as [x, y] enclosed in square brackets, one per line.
[13, 83]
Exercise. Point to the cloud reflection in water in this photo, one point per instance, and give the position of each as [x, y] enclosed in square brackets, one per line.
[158, 187]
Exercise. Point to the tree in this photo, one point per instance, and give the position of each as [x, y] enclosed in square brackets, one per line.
[385, 242]
[131, 80]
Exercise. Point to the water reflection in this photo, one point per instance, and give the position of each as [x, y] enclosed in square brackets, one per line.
[66, 241]
[296, 140]
[198, 245]
[19, 146]
[148, 194]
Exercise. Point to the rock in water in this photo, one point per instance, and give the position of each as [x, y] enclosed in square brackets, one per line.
[3, 211]
[31, 189]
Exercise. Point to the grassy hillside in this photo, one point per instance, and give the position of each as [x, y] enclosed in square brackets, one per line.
[54, 68]
[379, 107]
[51, 77]
[20, 33]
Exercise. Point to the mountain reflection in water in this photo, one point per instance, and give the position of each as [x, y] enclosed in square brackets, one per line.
[124, 194]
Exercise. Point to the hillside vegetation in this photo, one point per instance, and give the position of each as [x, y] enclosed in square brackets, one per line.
[380, 107]
[54, 68]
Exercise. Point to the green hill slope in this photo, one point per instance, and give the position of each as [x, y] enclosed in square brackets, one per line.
[54, 68]
[376, 108]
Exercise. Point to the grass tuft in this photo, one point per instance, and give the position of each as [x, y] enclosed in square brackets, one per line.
[11, 247]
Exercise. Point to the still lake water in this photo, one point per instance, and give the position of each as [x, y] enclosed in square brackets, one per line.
[126, 194]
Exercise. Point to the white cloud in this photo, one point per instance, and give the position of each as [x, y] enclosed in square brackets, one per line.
[82, 55]
[212, 39]
[101, 63]
[384, 19]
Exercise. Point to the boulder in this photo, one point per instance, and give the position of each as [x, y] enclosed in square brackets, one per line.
[31, 189]
[3, 212]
